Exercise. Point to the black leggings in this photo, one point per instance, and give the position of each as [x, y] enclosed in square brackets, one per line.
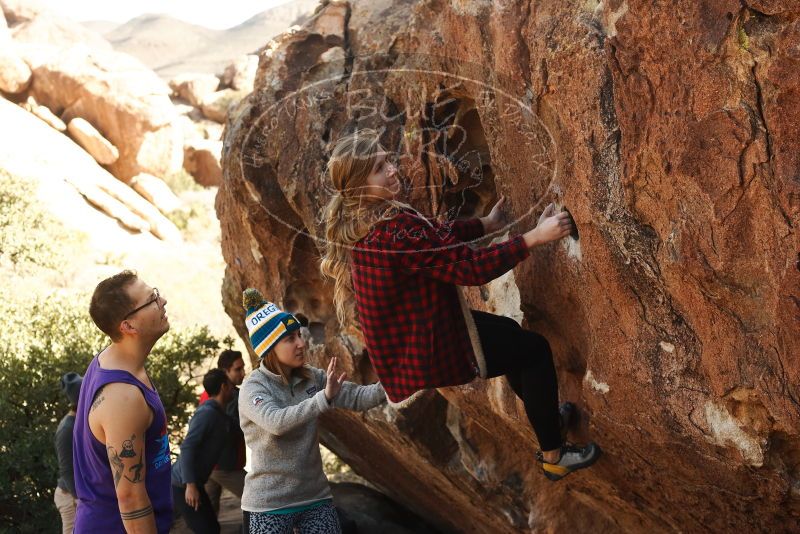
[526, 360]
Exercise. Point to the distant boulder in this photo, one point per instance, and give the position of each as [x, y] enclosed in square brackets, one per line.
[118, 95]
[156, 191]
[241, 74]
[216, 106]
[15, 75]
[201, 160]
[194, 87]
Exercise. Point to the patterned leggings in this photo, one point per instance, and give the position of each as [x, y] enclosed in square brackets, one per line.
[319, 520]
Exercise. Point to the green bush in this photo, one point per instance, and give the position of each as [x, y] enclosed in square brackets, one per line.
[38, 344]
[27, 233]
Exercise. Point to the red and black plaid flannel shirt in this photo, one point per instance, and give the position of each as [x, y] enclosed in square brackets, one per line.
[405, 273]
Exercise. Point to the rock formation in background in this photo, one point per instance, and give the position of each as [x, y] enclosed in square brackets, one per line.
[670, 133]
[241, 74]
[22, 138]
[18, 11]
[92, 141]
[157, 192]
[201, 160]
[171, 46]
[125, 101]
[44, 113]
[15, 75]
[50, 29]
[194, 87]
[114, 108]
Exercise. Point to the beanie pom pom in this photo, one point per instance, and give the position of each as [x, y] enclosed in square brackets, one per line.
[252, 298]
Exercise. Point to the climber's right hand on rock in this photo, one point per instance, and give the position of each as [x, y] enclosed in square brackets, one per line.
[552, 227]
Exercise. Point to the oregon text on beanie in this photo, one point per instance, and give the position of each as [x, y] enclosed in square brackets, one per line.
[266, 323]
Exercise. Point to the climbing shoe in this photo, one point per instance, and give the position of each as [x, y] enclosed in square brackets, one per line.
[572, 458]
[568, 418]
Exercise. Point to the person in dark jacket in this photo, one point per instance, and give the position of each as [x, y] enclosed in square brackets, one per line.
[208, 434]
[229, 472]
[64, 496]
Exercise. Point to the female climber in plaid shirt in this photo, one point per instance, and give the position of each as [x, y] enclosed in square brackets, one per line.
[403, 271]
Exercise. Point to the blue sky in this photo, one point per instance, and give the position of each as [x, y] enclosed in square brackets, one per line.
[217, 15]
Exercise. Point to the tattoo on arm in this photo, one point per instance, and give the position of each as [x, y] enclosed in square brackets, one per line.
[98, 398]
[137, 470]
[136, 514]
[116, 463]
[96, 402]
[118, 467]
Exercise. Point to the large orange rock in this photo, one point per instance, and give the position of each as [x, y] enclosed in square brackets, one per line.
[669, 130]
[118, 95]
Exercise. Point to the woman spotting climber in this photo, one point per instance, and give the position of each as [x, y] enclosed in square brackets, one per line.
[279, 404]
[403, 271]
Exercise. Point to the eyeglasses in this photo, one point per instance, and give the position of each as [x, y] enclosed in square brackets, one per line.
[155, 298]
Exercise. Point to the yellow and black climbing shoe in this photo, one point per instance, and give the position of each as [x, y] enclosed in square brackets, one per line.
[573, 457]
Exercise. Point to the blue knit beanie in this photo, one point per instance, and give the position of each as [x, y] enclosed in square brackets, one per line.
[266, 323]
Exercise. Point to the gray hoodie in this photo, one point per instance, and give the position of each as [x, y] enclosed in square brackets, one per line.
[279, 422]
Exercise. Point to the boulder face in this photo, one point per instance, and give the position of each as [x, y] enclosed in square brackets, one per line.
[669, 131]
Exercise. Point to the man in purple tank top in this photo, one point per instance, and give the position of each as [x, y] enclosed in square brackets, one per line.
[120, 447]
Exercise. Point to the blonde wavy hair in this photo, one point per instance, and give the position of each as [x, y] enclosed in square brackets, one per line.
[350, 215]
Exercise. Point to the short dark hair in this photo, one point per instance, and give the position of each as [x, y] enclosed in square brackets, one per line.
[110, 303]
[227, 358]
[213, 381]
